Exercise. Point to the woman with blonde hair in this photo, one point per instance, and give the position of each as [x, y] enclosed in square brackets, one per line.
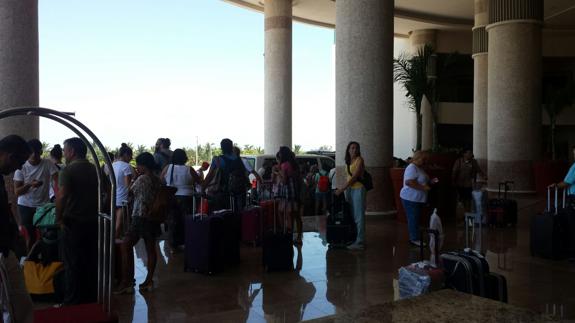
[416, 185]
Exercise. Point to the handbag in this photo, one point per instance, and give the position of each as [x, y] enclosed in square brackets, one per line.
[39, 278]
[163, 202]
[366, 180]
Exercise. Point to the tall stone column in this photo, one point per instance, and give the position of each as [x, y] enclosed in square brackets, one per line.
[364, 91]
[418, 39]
[19, 64]
[480, 83]
[514, 91]
[278, 75]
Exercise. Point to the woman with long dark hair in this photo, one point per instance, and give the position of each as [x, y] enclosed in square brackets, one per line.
[177, 174]
[355, 191]
[145, 188]
[291, 181]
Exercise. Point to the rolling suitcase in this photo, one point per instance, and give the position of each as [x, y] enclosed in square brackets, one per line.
[549, 234]
[420, 278]
[340, 228]
[277, 247]
[496, 287]
[251, 225]
[231, 235]
[502, 211]
[204, 241]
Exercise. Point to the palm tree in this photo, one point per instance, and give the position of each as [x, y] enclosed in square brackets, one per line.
[411, 73]
[557, 100]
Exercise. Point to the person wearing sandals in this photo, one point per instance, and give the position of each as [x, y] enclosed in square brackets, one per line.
[290, 188]
[416, 185]
[355, 191]
[144, 190]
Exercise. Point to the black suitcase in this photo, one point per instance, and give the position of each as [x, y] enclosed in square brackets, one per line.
[231, 236]
[502, 211]
[549, 234]
[340, 228]
[277, 247]
[496, 287]
[204, 251]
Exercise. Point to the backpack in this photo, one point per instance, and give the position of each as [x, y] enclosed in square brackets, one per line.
[323, 183]
[234, 178]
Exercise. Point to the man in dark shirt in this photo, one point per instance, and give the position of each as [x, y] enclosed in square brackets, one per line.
[77, 212]
[14, 152]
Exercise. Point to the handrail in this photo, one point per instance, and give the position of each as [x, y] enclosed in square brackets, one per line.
[105, 241]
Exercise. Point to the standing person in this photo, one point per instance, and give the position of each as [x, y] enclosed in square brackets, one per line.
[233, 178]
[567, 184]
[200, 172]
[322, 190]
[162, 152]
[124, 174]
[183, 177]
[77, 212]
[56, 155]
[144, 190]
[355, 191]
[14, 152]
[32, 186]
[291, 189]
[464, 172]
[416, 185]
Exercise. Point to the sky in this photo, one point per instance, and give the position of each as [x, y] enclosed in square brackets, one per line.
[133, 71]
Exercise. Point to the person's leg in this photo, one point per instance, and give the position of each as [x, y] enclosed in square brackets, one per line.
[358, 209]
[71, 267]
[21, 302]
[317, 203]
[412, 211]
[119, 222]
[27, 217]
[152, 259]
[127, 276]
[297, 211]
[87, 237]
[325, 202]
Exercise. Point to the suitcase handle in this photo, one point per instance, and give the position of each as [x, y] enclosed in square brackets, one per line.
[470, 219]
[435, 234]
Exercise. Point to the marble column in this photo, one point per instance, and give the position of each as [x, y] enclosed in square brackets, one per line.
[278, 75]
[19, 64]
[480, 82]
[514, 91]
[418, 39]
[364, 91]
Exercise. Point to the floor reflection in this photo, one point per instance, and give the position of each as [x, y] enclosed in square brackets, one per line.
[331, 281]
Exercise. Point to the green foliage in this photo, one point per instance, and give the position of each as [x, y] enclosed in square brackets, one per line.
[297, 150]
[411, 73]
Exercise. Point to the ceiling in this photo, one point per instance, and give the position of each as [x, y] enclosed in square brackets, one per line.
[419, 14]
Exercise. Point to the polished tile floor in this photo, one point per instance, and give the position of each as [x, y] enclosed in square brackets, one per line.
[338, 281]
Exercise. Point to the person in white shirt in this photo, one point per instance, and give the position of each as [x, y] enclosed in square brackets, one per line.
[32, 186]
[124, 174]
[183, 177]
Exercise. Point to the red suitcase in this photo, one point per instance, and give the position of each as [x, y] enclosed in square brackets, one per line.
[251, 225]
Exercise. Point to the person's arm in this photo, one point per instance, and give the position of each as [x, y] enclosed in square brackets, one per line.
[568, 180]
[163, 173]
[195, 177]
[55, 182]
[60, 201]
[354, 177]
[211, 173]
[410, 179]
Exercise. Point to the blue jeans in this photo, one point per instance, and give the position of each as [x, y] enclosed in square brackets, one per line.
[356, 198]
[413, 212]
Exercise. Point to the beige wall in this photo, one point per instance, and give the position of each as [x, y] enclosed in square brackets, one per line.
[558, 43]
[454, 41]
